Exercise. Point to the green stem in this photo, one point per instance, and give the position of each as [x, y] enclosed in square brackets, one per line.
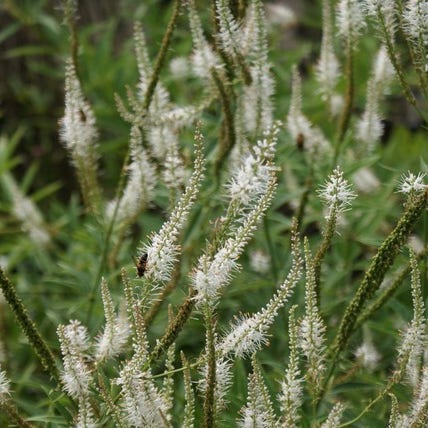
[174, 327]
[36, 340]
[387, 293]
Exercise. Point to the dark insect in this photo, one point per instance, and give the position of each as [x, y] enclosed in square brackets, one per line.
[141, 265]
[82, 115]
[300, 141]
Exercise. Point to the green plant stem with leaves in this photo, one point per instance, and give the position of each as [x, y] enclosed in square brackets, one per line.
[375, 274]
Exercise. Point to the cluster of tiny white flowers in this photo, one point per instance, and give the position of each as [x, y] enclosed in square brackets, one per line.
[350, 18]
[336, 193]
[369, 128]
[78, 131]
[140, 185]
[259, 261]
[141, 401]
[74, 344]
[204, 60]
[258, 412]
[27, 212]
[116, 329]
[367, 355]
[251, 178]
[298, 125]
[163, 248]
[327, 68]
[334, 417]
[212, 274]
[249, 333]
[412, 183]
[223, 380]
[4, 385]
[228, 28]
[415, 19]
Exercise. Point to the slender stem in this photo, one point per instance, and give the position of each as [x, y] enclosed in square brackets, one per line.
[210, 380]
[174, 327]
[30, 330]
[166, 291]
[160, 59]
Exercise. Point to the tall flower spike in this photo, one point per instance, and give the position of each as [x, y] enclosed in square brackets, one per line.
[333, 420]
[291, 396]
[213, 274]
[74, 344]
[163, 248]
[204, 59]
[26, 212]
[229, 28]
[115, 334]
[298, 125]
[350, 19]
[250, 333]
[258, 412]
[327, 69]
[416, 18]
[336, 193]
[223, 381]
[312, 331]
[257, 96]
[384, 13]
[369, 128]
[250, 179]
[418, 415]
[79, 134]
[140, 185]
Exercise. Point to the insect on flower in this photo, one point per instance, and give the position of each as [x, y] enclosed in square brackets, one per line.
[141, 264]
[300, 142]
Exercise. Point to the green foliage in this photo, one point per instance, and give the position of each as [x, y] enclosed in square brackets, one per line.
[54, 265]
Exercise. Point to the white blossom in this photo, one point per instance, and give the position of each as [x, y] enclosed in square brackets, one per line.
[76, 376]
[163, 248]
[298, 124]
[412, 183]
[116, 329]
[336, 193]
[350, 18]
